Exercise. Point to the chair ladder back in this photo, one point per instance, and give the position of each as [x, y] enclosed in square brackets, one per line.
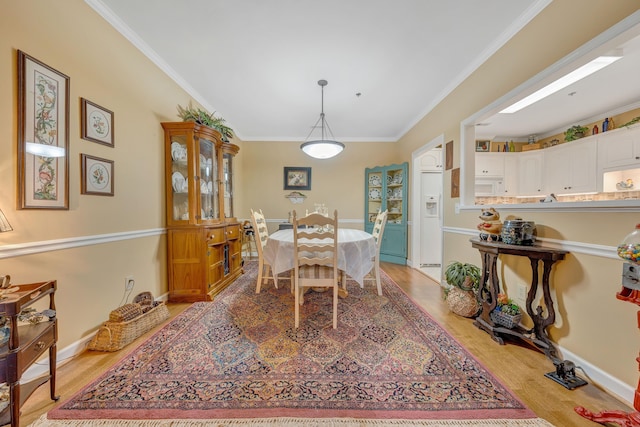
[378, 227]
[315, 257]
[262, 235]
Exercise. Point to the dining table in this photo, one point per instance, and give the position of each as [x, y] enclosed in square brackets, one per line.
[356, 252]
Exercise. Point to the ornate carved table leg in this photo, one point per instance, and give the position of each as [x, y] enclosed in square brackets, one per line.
[542, 321]
[488, 293]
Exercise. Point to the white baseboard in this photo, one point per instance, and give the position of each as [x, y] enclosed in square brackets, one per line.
[599, 378]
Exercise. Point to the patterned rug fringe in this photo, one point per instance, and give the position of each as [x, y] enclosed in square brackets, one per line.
[291, 422]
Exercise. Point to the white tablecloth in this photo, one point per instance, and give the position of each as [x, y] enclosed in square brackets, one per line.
[356, 251]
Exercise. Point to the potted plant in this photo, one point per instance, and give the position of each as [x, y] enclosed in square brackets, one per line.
[507, 313]
[202, 117]
[575, 132]
[462, 280]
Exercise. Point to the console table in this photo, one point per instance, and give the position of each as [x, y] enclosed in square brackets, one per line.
[25, 345]
[542, 317]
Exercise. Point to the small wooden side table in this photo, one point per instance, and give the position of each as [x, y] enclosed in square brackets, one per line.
[26, 344]
[542, 316]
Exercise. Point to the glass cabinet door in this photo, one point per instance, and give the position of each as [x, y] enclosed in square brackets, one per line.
[395, 195]
[179, 178]
[227, 181]
[208, 173]
[374, 195]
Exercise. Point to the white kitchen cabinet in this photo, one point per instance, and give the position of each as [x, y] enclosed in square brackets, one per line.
[530, 178]
[431, 161]
[490, 165]
[571, 167]
[510, 181]
[619, 149]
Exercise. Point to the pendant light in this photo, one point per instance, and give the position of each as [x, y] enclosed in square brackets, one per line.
[322, 148]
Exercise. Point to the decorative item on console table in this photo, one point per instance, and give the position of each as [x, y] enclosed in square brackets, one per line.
[490, 227]
[460, 292]
[507, 313]
[515, 231]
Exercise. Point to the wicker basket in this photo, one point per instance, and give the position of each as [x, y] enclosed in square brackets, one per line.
[112, 336]
[504, 319]
[462, 303]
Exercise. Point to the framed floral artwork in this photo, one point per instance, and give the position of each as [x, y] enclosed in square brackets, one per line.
[97, 123]
[297, 178]
[97, 175]
[43, 135]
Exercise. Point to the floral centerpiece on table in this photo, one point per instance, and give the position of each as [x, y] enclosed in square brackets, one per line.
[507, 313]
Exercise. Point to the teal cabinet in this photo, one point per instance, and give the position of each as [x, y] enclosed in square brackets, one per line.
[385, 187]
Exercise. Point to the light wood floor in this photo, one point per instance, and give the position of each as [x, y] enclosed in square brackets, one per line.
[519, 367]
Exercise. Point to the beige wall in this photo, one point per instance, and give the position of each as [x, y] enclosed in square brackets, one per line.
[337, 182]
[107, 70]
[585, 285]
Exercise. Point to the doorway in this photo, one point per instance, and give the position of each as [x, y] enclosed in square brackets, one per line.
[426, 199]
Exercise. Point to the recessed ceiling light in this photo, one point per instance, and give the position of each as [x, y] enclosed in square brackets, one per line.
[578, 74]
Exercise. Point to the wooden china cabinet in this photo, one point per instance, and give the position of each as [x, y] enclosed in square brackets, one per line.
[204, 237]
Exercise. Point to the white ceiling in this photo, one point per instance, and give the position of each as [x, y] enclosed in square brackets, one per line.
[257, 63]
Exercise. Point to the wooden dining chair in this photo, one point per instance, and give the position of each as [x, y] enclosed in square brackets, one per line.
[265, 271]
[315, 246]
[377, 232]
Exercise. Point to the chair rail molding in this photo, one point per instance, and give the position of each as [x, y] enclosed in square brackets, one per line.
[571, 246]
[20, 249]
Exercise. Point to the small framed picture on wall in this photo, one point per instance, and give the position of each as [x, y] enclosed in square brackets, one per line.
[97, 175]
[483, 145]
[97, 123]
[297, 178]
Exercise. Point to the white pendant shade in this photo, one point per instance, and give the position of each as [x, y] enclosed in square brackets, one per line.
[322, 148]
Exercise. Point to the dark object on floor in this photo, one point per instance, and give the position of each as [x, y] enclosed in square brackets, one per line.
[565, 374]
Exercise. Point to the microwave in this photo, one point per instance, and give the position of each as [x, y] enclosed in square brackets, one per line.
[489, 187]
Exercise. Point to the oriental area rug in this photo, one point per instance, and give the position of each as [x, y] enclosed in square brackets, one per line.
[239, 361]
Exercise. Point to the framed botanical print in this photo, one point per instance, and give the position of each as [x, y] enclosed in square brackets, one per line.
[43, 135]
[97, 123]
[297, 178]
[97, 175]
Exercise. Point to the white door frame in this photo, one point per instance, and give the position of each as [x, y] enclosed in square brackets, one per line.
[415, 199]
